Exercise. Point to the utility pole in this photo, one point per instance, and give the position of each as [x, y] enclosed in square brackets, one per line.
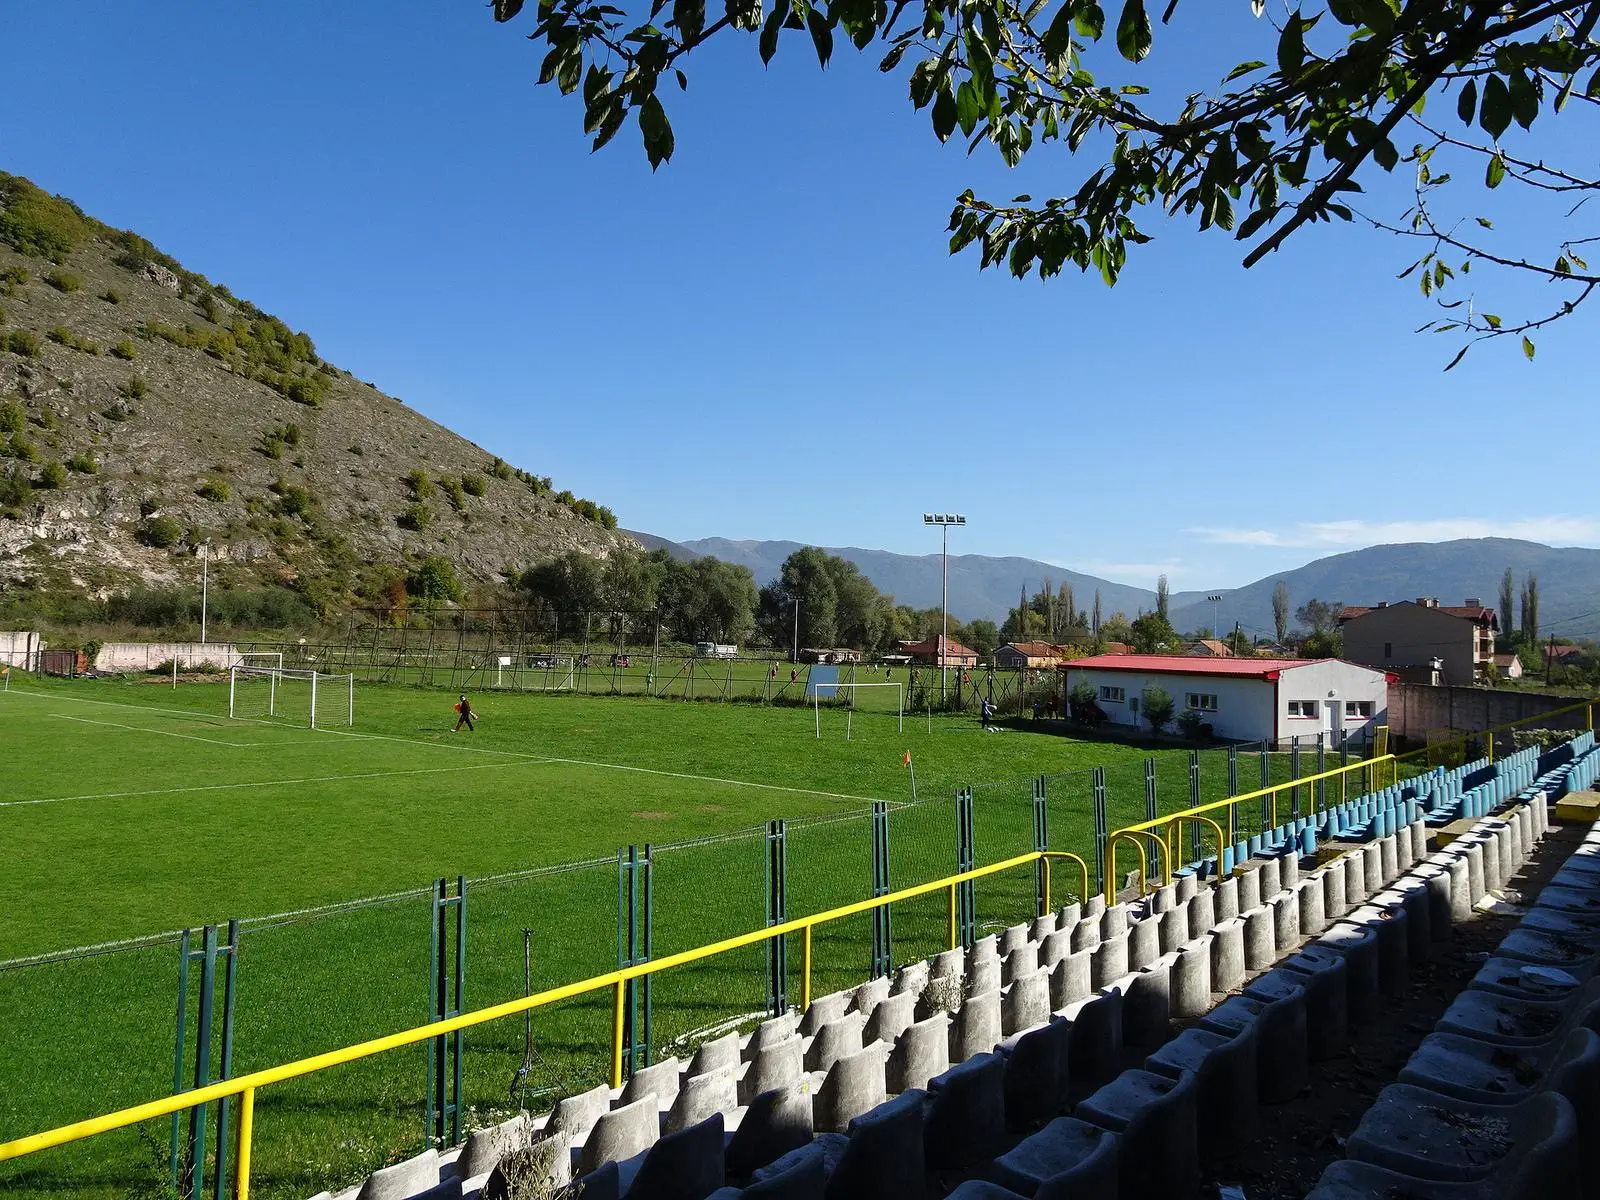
[796, 657]
[205, 572]
[944, 521]
[1216, 617]
[1549, 657]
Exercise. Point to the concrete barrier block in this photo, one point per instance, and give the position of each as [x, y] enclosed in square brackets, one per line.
[1114, 922]
[619, 1135]
[1388, 924]
[869, 995]
[770, 1033]
[716, 1092]
[1188, 885]
[1312, 899]
[777, 1121]
[1156, 1121]
[1202, 911]
[1333, 901]
[715, 1055]
[984, 949]
[855, 1085]
[1068, 1157]
[685, 1162]
[1174, 927]
[1260, 939]
[1375, 873]
[1054, 947]
[890, 1019]
[1355, 879]
[1086, 935]
[1286, 922]
[1036, 1081]
[1225, 1070]
[964, 1118]
[1071, 979]
[1322, 972]
[1043, 927]
[882, 1157]
[1228, 958]
[1358, 946]
[1069, 914]
[1162, 899]
[1289, 868]
[834, 1041]
[542, 1162]
[1013, 938]
[824, 1009]
[1026, 1003]
[1024, 960]
[1248, 879]
[1285, 1048]
[976, 1029]
[1227, 899]
[660, 1080]
[1144, 942]
[983, 975]
[1191, 978]
[1093, 906]
[576, 1115]
[1094, 1051]
[1147, 1006]
[911, 979]
[1268, 878]
[919, 1054]
[948, 962]
[1110, 960]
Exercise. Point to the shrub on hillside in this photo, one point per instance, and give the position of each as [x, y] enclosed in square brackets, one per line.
[13, 417]
[15, 488]
[124, 350]
[84, 464]
[63, 281]
[12, 278]
[421, 486]
[135, 388]
[20, 448]
[23, 342]
[34, 222]
[473, 485]
[293, 500]
[417, 517]
[111, 296]
[63, 336]
[160, 532]
[454, 492]
[434, 579]
[499, 468]
[52, 475]
[214, 490]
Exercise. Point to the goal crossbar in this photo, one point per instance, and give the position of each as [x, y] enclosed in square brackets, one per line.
[852, 688]
[274, 675]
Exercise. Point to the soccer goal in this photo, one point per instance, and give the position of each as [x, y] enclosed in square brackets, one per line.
[832, 691]
[256, 691]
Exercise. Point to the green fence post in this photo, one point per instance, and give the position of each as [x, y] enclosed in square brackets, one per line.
[1233, 790]
[1322, 765]
[219, 1184]
[1266, 781]
[1294, 773]
[175, 1163]
[1041, 840]
[966, 893]
[882, 953]
[777, 914]
[1151, 812]
[1194, 802]
[446, 999]
[194, 1164]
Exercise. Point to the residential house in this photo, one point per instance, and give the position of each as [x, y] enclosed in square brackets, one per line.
[1019, 655]
[1210, 648]
[1118, 648]
[1414, 633]
[938, 652]
[1508, 665]
[1242, 699]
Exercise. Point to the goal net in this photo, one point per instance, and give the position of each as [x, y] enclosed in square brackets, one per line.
[258, 691]
[868, 697]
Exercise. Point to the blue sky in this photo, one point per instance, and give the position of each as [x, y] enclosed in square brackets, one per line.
[767, 338]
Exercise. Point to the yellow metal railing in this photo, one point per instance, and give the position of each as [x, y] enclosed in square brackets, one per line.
[1163, 831]
[1585, 706]
[246, 1086]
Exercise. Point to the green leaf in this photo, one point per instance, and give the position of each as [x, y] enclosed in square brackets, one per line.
[1090, 21]
[1527, 348]
[924, 79]
[1485, 222]
[1524, 99]
[768, 44]
[1495, 172]
[1592, 91]
[1057, 38]
[1494, 115]
[892, 59]
[944, 113]
[1385, 154]
[968, 110]
[615, 115]
[743, 14]
[1460, 354]
[1492, 319]
[1467, 101]
[1243, 69]
[505, 10]
[690, 18]
[1292, 44]
[657, 131]
[821, 35]
[1133, 31]
[571, 70]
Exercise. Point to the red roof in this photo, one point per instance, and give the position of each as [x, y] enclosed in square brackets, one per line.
[1188, 664]
[1476, 612]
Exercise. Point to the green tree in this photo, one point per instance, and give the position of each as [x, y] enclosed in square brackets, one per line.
[805, 577]
[1153, 634]
[1116, 628]
[980, 635]
[628, 581]
[1158, 708]
[1530, 609]
[1280, 610]
[434, 579]
[570, 583]
[1507, 595]
[1163, 596]
[1327, 98]
[1319, 616]
[1323, 643]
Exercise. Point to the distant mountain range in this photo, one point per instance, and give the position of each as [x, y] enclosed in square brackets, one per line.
[981, 586]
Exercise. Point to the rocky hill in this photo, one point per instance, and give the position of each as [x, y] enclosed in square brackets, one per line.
[144, 410]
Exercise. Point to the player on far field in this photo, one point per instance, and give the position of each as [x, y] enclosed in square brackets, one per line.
[464, 707]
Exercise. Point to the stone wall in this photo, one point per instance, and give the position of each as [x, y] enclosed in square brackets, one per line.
[1415, 709]
[147, 656]
[19, 649]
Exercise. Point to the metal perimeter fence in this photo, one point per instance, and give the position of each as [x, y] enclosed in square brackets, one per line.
[94, 1029]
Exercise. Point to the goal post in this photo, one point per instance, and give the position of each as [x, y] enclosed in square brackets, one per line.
[850, 690]
[290, 692]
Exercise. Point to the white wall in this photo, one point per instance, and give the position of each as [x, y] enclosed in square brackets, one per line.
[20, 649]
[1331, 679]
[146, 656]
[1244, 706]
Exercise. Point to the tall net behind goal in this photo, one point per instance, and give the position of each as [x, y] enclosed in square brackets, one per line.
[884, 698]
[290, 695]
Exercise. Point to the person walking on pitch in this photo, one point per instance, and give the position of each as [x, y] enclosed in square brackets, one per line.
[464, 707]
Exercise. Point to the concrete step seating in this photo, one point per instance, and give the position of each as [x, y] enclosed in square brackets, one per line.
[1042, 1061]
[1502, 1100]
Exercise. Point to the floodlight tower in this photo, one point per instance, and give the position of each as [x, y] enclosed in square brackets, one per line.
[944, 521]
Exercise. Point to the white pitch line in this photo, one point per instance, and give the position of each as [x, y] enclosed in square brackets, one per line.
[163, 732]
[223, 787]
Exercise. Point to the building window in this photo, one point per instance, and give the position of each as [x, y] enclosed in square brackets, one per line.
[1302, 708]
[1388, 649]
[1358, 708]
[1111, 695]
[1202, 701]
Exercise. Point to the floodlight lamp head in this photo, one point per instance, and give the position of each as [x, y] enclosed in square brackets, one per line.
[929, 519]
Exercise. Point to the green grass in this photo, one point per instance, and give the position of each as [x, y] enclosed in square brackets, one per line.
[133, 809]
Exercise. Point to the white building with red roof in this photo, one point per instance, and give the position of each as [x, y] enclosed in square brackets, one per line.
[1243, 699]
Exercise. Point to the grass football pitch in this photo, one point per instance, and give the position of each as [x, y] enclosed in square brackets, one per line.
[132, 810]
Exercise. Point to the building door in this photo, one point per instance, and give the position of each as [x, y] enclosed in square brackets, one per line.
[1333, 721]
[1133, 710]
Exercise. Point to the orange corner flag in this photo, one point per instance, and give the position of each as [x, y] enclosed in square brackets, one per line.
[908, 758]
